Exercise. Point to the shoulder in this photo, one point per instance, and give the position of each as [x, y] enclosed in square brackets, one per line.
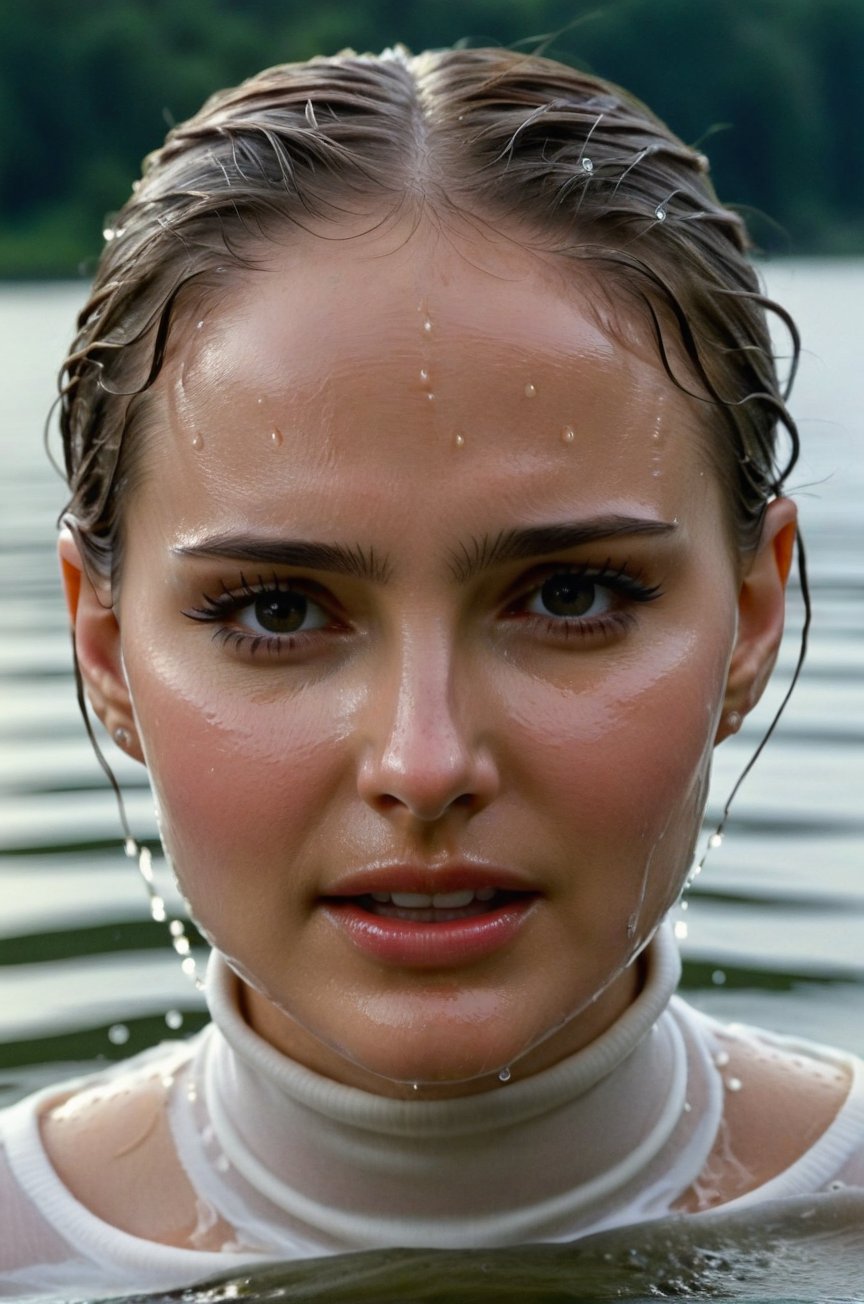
[108, 1141]
[792, 1115]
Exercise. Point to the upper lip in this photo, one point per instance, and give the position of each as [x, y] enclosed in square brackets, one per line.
[451, 877]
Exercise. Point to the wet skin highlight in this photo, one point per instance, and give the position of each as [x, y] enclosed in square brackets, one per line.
[503, 660]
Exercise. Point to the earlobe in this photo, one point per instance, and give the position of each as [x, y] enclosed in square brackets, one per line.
[96, 634]
[761, 614]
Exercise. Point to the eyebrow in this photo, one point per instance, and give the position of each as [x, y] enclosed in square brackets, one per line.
[478, 554]
[538, 541]
[332, 557]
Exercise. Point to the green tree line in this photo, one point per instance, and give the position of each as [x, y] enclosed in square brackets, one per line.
[773, 90]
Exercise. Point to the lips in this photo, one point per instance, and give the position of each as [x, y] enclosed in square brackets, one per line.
[426, 918]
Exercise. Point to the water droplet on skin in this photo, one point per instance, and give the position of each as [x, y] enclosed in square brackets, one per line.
[277, 439]
[568, 435]
[718, 977]
[631, 925]
[733, 1084]
[424, 374]
[199, 324]
[431, 397]
[721, 1059]
[715, 841]
[587, 165]
[530, 390]
[198, 442]
[427, 326]
[174, 1019]
[660, 213]
[259, 401]
[504, 1075]
[118, 1034]
[459, 441]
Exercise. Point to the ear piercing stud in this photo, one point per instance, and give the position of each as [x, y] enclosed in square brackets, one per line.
[122, 737]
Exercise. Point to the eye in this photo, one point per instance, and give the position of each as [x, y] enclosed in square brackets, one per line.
[569, 596]
[281, 611]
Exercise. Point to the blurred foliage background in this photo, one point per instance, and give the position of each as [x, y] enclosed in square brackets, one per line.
[773, 90]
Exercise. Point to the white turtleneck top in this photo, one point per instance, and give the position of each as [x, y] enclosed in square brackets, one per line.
[297, 1165]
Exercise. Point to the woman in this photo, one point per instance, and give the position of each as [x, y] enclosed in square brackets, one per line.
[426, 534]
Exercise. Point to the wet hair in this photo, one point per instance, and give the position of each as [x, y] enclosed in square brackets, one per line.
[509, 140]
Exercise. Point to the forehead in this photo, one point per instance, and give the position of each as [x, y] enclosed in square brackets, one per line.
[398, 368]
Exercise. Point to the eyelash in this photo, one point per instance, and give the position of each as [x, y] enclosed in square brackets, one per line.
[629, 586]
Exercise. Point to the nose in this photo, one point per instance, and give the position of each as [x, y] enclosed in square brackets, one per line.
[425, 756]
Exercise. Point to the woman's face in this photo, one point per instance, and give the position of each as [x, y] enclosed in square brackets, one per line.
[427, 589]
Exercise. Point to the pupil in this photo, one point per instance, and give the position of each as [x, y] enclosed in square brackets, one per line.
[567, 595]
[281, 613]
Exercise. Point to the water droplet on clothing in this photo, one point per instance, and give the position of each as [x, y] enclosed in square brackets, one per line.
[118, 1034]
[660, 213]
[718, 977]
[459, 441]
[587, 165]
[174, 1019]
[568, 434]
[198, 442]
[222, 1163]
[191, 1091]
[837, 1186]
[734, 1084]
[504, 1075]
[277, 439]
[715, 841]
[530, 390]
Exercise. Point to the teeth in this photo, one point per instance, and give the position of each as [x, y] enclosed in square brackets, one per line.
[438, 900]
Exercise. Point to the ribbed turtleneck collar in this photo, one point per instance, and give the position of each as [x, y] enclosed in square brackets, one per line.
[522, 1162]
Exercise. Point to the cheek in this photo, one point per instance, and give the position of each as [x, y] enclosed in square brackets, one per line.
[237, 782]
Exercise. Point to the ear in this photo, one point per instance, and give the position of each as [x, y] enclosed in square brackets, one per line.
[761, 613]
[97, 646]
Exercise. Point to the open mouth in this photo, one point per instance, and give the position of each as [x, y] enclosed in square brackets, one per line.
[436, 908]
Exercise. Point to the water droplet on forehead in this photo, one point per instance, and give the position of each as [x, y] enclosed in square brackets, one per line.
[198, 442]
[530, 390]
[568, 435]
[277, 439]
[118, 1034]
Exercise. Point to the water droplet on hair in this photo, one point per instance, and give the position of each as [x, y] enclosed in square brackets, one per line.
[715, 841]
[424, 374]
[587, 165]
[680, 929]
[188, 967]
[157, 909]
[718, 978]
[660, 213]
[181, 944]
[530, 390]
[175, 928]
[683, 905]
[459, 441]
[108, 233]
[568, 435]
[427, 325]
[734, 1084]
[277, 439]
[118, 1034]
[721, 1059]
[174, 1019]
[198, 442]
[504, 1075]
[130, 847]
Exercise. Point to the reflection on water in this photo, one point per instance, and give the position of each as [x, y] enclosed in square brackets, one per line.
[776, 922]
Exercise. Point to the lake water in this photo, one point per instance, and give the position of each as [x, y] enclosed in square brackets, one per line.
[775, 925]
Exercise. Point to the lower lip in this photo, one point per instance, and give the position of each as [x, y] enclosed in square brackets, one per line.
[431, 946]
